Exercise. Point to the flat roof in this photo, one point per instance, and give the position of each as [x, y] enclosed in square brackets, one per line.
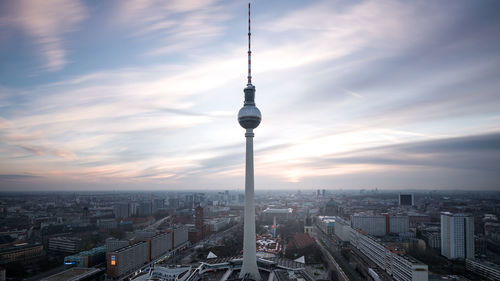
[73, 274]
[128, 247]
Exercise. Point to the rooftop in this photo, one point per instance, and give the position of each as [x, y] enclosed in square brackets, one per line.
[73, 274]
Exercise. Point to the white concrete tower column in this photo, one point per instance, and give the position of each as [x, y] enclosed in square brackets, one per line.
[249, 247]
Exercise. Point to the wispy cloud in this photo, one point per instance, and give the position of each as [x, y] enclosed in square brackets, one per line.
[47, 22]
[179, 25]
[350, 92]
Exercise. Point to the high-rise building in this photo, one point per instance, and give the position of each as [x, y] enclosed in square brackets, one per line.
[173, 203]
[198, 214]
[121, 210]
[406, 200]
[457, 235]
[158, 204]
[145, 208]
[249, 118]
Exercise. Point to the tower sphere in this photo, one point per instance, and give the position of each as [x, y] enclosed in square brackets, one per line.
[249, 115]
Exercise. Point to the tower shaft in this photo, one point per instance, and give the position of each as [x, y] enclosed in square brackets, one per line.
[249, 267]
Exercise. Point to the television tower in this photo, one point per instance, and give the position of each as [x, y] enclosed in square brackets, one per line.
[249, 118]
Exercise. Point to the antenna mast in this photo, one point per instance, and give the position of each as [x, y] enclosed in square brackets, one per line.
[249, 50]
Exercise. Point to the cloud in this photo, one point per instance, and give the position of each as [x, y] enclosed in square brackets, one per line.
[46, 22]
[345, 93]
[15, 177]
[179, 25]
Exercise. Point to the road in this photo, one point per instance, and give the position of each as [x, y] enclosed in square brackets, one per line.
[324, 247]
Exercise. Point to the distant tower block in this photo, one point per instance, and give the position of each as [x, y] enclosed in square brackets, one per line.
[406, 200]
[249, 118]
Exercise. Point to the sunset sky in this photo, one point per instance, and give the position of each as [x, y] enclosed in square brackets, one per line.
[109, 95]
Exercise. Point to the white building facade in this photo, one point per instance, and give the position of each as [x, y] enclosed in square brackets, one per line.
[457, 236]
[401, 267]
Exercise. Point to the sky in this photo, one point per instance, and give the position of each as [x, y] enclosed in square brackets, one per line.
[122, 95]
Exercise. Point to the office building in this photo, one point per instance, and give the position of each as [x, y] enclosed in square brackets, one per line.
[457, 235]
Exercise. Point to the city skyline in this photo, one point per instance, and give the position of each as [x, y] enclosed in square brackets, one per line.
[371, 94]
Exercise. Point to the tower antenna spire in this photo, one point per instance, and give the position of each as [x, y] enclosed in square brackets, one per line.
[249, 50]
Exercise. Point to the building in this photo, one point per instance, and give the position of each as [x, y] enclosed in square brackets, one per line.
[380, 225]
[373, 224]
[132, 208]
[128, 259]
[331, 208]
[77, 274]
[158, 204]
[145, 208]
[416, 219]
[308, 227]
[406, 200]
[180, 236]
[406, 268]
[433, 237]
[199, 224]
[457, 236]
[65, 244]
[87, 258]
[114, 244]
[488, 270]
[281, 214]
[327, 224]
[399, 224]
[342, 229]
[173, 203]
[121, 210]
[299, 241]
[217, 225]
[166, 274]
[249, 118]
[160, 245]
[107, 224]
[20, 252]
[392, 260]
